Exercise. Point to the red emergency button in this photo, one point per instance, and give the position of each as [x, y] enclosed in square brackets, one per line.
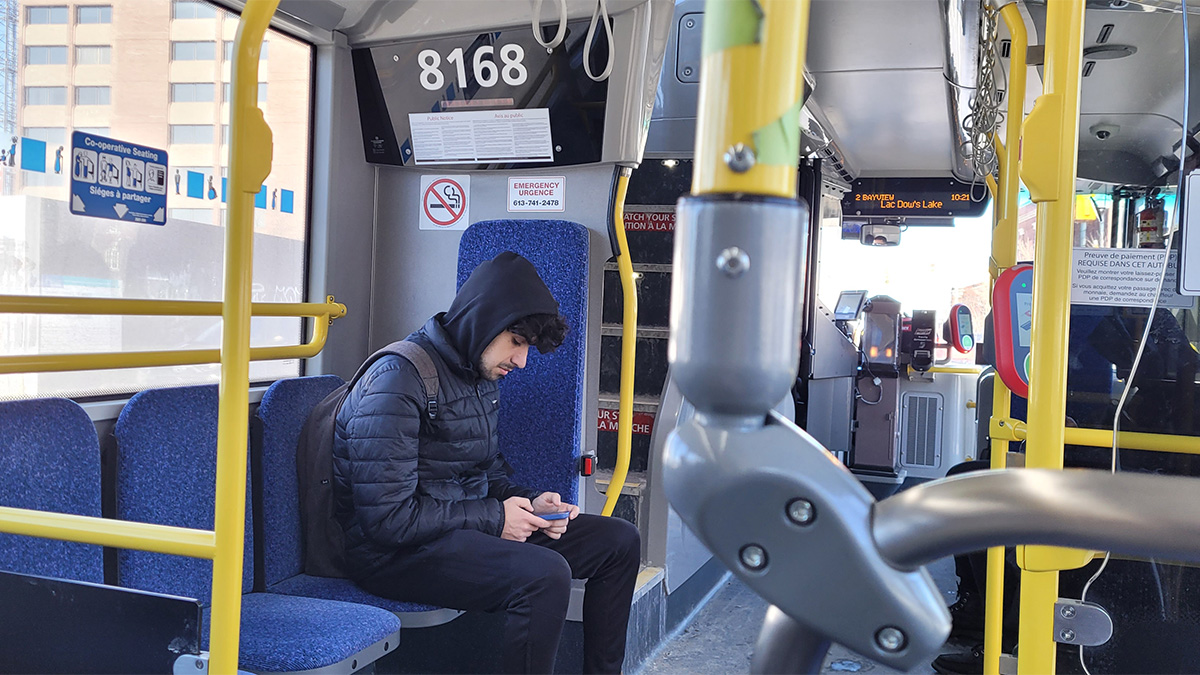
[587, 465]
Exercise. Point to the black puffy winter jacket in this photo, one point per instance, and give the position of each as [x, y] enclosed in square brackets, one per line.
[402, 479]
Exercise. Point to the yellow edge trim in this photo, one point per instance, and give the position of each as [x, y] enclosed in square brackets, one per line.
[108, 532]
[628, 350]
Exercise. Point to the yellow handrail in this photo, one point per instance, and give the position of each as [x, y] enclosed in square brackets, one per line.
[45, 363]
[47, 304]
[1130, 440]
[1004, 256]
[250, 151]
[108, 532]
[628, 348]
[1048, 166]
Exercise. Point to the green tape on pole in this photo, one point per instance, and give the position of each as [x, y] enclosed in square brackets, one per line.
[729, 23]
[778, 143]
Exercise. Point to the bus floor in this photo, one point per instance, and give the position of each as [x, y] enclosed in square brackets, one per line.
[720, 637]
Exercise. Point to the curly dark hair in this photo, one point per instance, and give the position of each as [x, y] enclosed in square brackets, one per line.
[544, 331]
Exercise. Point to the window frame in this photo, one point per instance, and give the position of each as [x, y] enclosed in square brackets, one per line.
[192, 5]
[177, 44]
[43, 89]
[97, 89]
[190, 128]
[30, 50]
[50, 13]
[79, 13]
[97, 49]
[178, 87]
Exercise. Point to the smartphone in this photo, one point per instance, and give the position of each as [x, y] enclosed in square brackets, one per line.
[561, 515]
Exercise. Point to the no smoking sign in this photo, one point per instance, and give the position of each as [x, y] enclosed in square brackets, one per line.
[445, 202]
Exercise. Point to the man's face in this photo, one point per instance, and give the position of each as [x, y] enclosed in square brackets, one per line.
[506, 353]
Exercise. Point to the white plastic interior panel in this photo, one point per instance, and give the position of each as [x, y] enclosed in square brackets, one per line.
[874, 35]
[953, 441]
[891, 123]
[368, 22]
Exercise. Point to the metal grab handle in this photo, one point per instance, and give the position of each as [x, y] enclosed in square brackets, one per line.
[1133, 514]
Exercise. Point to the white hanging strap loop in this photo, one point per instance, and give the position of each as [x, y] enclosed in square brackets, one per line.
[601, 11]
[562, 24]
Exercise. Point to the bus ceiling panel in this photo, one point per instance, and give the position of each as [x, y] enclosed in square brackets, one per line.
[874, 34]
[1126, 147]
[890, 122]
[368, 22]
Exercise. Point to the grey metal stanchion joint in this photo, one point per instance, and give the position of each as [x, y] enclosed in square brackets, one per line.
[735, 310]
[737, 488]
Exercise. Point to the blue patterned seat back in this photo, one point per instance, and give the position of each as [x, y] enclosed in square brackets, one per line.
[166, 474]
[541, 407]
[283, 411]
[50, 461]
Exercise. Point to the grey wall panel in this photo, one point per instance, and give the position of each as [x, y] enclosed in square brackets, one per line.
[343, 206]
[415, 269]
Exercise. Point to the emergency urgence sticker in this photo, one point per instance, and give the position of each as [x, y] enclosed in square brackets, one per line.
[537, 193]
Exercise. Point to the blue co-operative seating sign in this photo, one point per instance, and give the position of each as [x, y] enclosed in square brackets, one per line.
[117, 180]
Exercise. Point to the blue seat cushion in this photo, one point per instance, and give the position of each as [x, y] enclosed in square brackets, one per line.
[345, 590]
[284, 409]
[50, 461]
[283, 633]
[541, 406]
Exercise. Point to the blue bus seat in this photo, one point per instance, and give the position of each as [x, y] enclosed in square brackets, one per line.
[541, 407]
[280, 419]
[50, 460]
[166, 474]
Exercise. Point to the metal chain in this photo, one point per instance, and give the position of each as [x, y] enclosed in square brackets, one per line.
[985, 116]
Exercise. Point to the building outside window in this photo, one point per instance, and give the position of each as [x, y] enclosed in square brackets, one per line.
[45, 15]
[144, 56]
[93, 95]
[193, 51]
[45, 95]
[46, 55]
[93, 55]
[93, 14]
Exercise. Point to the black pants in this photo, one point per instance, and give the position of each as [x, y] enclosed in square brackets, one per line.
[531, 583]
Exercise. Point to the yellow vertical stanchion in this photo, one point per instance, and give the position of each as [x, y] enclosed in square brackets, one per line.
[751, 95]
[1048, 166]
[250, 150]
[628, 348]
[1004, 256]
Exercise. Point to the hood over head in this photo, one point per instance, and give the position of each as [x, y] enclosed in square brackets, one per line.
[498, 293]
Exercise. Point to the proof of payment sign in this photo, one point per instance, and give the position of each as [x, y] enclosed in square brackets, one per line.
[537, 193]
[445, 202]
[117, 180]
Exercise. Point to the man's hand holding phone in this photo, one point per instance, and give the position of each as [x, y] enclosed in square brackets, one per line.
[550, 507]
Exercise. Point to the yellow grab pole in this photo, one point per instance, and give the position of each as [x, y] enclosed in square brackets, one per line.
[48, 363]
[250, 151]
[628, 348]
[751, 95]
[108, 532]
[1004, 256]
[42, 304]
[1048, 167]
[1102, 438]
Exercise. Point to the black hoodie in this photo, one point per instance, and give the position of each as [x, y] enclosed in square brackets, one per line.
[402, 479]
[498, 293]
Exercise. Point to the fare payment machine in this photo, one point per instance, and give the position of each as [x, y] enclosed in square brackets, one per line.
[1012, 302]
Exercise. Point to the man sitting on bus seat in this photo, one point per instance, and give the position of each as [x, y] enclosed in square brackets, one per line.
[427, 506]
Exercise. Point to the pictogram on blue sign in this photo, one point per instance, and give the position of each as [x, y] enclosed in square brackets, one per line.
[118, 180]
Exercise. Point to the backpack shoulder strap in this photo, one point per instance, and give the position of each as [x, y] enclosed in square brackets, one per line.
[416, 355]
